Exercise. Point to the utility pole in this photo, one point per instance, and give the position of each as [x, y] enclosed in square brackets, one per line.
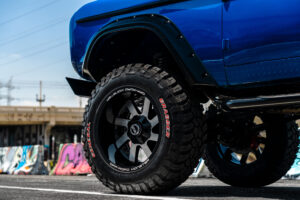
[1, 86]
[9, 87]
[80, 102]
[40, 98]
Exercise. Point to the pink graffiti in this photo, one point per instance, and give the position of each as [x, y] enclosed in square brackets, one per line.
[71, 161]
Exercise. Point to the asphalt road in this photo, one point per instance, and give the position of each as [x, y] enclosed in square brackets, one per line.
[82, 187]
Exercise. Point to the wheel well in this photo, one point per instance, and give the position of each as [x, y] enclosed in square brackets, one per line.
[130, 46]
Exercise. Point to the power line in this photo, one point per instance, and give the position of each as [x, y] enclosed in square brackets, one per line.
[9, 85]
[36, 85]
[27, 4]
[34, 28]
[34, 82]
[48, 84]
[52, 86]
[45, 83]
[27, 49]
[40, 67]
[18, 37]
[28, 12]
[34, 53]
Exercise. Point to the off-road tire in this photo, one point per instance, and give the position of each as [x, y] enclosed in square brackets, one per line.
[182, 149]
[277, 158]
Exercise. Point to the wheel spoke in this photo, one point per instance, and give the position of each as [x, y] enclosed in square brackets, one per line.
[132, 109]
[260, 150]
[111, 153]
[109, 115]
[153, 137]
[128, 110]
[121, 122]
[244, 159]
[124, 138]
[154, 121]
[132, 153]
[146, 150]
[146, 107]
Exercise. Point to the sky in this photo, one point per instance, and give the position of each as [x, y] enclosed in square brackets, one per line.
[34, 47]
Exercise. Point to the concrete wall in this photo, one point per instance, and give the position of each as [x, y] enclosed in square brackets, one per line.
[21, 135]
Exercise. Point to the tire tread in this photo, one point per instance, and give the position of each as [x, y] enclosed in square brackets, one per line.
[183, 157]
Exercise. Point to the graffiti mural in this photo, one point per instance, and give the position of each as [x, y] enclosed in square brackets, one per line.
[2, 158]
[8, 159]
[71, 161]
[294, 172]
[26, 157]
[15, 161]
[31, 161]
[198, 169]
[22, 160]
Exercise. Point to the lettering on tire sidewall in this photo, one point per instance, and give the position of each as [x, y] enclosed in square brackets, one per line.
[167, 117]
[88, 136]
[129, 169]
[124, 90]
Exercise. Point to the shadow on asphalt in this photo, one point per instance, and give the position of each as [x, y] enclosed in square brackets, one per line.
[227, 191]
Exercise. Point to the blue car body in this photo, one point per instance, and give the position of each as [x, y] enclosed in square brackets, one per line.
[224, 74]
[238, 42]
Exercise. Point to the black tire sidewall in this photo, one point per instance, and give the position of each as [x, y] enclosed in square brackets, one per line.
[259, 173]
[154, 92]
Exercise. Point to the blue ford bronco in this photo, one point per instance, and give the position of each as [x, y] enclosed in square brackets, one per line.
[171, 81]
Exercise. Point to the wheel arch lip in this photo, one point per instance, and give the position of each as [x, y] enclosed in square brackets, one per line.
[188, 62]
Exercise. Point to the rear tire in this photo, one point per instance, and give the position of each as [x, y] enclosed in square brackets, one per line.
[179, 143]
[276, 159]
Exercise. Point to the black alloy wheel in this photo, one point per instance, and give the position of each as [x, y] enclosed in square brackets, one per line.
[264, 158]
[142, 132]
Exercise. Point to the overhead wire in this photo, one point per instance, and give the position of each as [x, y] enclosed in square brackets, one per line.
[27, 49]
[34, 53]
[33, 83]
[31, 32]
[37, 68]
[32, 29]
[28, 12]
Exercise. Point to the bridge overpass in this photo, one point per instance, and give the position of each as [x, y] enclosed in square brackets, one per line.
[22, 125]
[16, 115]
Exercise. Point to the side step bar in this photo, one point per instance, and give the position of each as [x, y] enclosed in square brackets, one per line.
[264, 101]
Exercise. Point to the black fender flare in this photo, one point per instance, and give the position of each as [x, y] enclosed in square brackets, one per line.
[188, 62]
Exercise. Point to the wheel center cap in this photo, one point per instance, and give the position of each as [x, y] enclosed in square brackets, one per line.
[135, 129]
[139, 130]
